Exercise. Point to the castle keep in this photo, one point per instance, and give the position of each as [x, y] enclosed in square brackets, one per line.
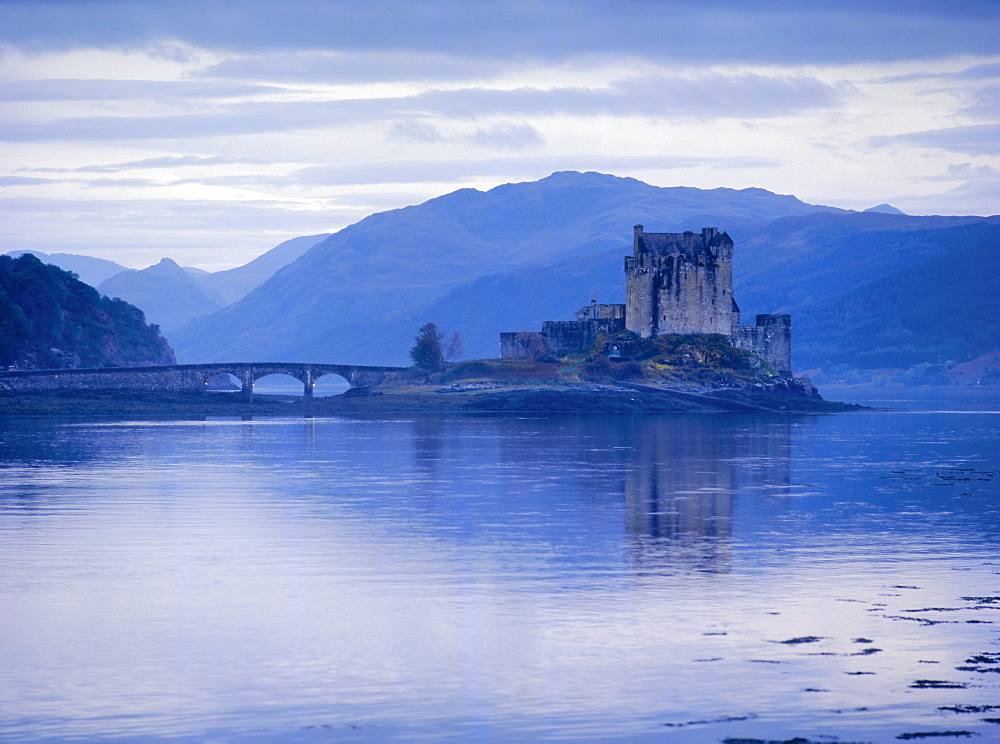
[679, 283]
[675, 283]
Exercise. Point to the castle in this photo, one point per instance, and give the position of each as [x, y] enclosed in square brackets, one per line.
[674, 283]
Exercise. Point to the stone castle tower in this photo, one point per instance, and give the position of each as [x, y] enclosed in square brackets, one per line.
[674, 283]
[679, 283]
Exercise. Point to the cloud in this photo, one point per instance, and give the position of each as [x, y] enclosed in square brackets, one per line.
[657, 95]
[119, 90]
[768, 30]
[169, 161]
[24, 181]
[976, 197]
[977, 139]
[967, 170]
[355, 67]
[414, 131]
[976, 72]
[742, 96]
[132, 231]
[508, 137]
[987, 105]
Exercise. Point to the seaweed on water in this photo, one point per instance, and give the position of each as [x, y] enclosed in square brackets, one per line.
[921, 620]
[937, 684]
[796, 740]
[969, 708]
[984, 658]
[720, 719]
[866, 652]
[802, 639]
[929, 734]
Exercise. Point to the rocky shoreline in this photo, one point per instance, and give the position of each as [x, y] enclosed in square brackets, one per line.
[783, 396]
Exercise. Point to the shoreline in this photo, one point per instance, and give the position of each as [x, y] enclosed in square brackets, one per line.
[585, 399]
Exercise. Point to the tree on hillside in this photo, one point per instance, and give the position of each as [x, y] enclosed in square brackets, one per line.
[430, 351]
[51, 320]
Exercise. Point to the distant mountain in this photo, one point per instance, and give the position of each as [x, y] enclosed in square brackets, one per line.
[167, 294]
[91, 270]
[867, 290]
[870, 289]
[354, 296]
[797, 261]
[49, 319]
[226, 287]
[885, 209]
[938, 302]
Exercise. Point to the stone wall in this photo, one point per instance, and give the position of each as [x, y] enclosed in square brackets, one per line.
[594, 311]
[770, 339]
[561, 337]
[579, 336]
[524, 345]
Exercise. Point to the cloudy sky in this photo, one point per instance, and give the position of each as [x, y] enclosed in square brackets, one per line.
[211, 131]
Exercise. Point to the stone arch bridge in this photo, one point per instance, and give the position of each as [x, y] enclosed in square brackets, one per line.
[191, 377]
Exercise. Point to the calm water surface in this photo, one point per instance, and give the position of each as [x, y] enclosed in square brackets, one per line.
[503, 579]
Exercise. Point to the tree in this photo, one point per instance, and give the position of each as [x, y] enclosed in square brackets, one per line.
[455, 347]
[427, 353]
[430, 351]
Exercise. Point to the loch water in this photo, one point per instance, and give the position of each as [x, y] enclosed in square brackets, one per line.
[685, 578]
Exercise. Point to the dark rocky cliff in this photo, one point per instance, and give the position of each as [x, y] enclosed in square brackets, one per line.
[50, 320]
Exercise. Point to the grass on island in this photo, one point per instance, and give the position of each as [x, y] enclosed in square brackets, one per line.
[694, 360]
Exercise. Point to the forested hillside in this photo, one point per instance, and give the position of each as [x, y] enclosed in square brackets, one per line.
[50, 319]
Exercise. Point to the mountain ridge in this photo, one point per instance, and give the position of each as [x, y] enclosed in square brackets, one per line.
[342, 298]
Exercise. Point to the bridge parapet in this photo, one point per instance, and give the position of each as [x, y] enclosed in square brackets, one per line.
[190, 377]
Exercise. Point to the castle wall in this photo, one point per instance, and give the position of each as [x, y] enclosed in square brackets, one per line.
[578, 336]
[524, 345]
[770, 339]
[641, 291]
[594, 311]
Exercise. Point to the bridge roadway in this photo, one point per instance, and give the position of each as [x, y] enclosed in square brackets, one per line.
[190, 377]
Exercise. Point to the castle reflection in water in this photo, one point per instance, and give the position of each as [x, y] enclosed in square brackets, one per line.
[681, 492]
[680, 478]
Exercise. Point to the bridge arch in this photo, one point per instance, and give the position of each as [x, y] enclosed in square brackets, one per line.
[327, 383]
[222, 381]
[278, 382]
